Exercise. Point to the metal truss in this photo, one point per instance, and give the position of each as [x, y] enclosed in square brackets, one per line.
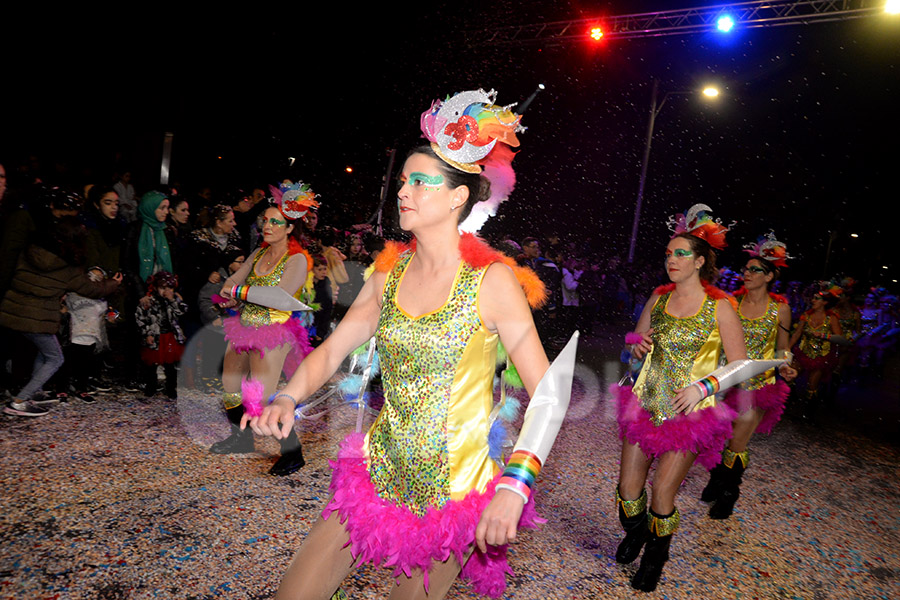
[679, 22]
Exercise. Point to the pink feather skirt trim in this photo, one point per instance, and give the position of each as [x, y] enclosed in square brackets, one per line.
[770, 399]
[703, 432]
[245, 338]
[388, 535]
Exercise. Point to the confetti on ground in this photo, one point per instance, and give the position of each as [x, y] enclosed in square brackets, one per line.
[122, 500]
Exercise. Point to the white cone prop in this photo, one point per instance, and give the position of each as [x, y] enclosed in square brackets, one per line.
[548, 404]
[739, 371]
[274, 297]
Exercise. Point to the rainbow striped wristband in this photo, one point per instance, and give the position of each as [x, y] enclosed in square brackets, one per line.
[520, 472]
[709, 386]
[239, 292]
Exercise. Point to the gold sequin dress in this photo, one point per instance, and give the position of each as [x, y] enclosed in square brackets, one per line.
[762, 392]
[412, 489]
[684, 350]
[814, 351]
[260, 328]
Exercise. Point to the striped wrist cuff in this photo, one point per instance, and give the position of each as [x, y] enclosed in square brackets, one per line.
[709, 386]
[520, 472]
[239, 292]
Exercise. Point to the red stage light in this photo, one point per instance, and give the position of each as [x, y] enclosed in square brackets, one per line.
[596, 33]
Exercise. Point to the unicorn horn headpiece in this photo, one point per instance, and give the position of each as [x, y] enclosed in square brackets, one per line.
[699, 223]
[770, 249]
[464, 131]
[293, 199]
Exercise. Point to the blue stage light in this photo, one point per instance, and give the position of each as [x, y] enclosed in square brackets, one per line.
[725, 23]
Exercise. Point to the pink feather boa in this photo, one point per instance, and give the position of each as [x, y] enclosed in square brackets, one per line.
[703, 432]
[245, 338]
[770, 398]
[389, 535]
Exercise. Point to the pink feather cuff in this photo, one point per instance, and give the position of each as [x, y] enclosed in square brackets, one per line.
[633, 338]
[385, 534]
[252, 396]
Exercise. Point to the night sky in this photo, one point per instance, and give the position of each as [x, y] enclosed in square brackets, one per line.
[802, 140]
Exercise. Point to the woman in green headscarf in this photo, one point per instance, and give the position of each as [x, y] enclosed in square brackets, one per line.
[153, 248]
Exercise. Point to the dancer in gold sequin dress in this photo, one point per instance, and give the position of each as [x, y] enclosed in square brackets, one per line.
[261, 339]
[419, 492]
[815, 353]
[759, 402]
[681, 334]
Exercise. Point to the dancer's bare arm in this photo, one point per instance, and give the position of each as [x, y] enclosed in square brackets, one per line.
[504, 310]
[643, 328]
[357, 326]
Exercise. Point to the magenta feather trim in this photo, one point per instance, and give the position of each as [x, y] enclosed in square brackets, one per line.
[245, 338]
[633, 338]
[252, 396]
[703, 432]
[770, 399]
[300, 350]
[388, 535]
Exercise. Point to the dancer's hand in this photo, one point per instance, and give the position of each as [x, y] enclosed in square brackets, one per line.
[639, 350]
[499, 520]
[788, 373]
[687, 398]
[280, 411]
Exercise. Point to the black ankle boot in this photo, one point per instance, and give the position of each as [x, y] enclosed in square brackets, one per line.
[633, 517]
[656, 552]
[291, 459]
[240, 441]
[713, 489]
[731, 488]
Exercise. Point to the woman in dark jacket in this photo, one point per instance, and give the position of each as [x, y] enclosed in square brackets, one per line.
[105, 236]
[49, 268]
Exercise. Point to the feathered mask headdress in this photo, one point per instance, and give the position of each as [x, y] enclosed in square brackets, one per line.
[293, 200]
[770, 249]
[464, 131]
[698, 223]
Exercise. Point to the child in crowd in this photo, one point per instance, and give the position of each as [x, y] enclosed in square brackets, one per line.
[162, 338]
[87, 337]
[324, 298]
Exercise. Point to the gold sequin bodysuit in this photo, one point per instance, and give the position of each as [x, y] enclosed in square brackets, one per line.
[254, 314]
[812, 342]
[760, 335]
[429, 443]
[684, 350]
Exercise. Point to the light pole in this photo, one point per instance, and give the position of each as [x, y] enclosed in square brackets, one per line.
[655, 106]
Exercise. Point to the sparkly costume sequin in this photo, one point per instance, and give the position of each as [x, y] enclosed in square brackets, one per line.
[760, 335]
[254, 314]
[812, 342]
[684, 350]
[429, 443]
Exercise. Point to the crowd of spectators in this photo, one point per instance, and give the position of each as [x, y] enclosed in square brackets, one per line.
[113, 283]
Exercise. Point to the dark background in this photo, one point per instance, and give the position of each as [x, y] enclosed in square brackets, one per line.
[802, 140]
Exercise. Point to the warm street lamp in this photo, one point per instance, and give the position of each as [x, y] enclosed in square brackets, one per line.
[655, 106]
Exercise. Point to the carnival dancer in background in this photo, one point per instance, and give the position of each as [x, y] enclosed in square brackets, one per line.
[813, 347]
[671, 413]
[850, 318]
[759, 402]
[263, 341]
[420, 489]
